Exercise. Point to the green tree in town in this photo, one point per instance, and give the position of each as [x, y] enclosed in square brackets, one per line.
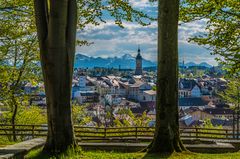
[128, 119]
[231, 95]
[79, 115]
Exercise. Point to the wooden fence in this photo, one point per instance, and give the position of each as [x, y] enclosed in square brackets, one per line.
[25, 132]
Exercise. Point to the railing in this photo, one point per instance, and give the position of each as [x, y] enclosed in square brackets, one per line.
[25, 132]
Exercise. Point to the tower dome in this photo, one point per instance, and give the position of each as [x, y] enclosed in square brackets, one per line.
[139, 55]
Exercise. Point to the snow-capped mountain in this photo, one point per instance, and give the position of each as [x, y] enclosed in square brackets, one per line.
[126, 61]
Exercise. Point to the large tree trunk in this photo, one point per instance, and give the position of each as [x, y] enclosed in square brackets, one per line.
[166, 137]
[56, 27]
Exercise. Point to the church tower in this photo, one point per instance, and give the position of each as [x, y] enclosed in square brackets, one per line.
[138, 70]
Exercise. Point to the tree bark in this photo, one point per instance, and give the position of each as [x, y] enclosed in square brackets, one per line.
[56, 27]
[167, 136]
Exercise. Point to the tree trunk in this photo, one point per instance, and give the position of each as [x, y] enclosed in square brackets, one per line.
[166, 137]
[13, 118]
[56, 27]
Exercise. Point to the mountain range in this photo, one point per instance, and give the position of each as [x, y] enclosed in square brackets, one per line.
[192, 64]
[126, 61]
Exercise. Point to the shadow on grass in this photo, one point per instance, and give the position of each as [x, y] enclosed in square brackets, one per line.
[156, 156]
[40, 154]
[37, 154]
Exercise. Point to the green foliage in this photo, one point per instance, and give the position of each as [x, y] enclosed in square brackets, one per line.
[94, 12]
[18, 54]
[127, 118]
[208, 125]
[31, 115]
[79, 115]
[232, 94]
[222, 28]
[4, 141]
[154, 88]
[26, 115]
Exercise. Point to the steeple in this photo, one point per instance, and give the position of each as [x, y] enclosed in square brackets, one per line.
[139, 53]
[138, 70]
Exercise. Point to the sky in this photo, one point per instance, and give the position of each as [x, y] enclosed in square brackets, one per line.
[110, 40]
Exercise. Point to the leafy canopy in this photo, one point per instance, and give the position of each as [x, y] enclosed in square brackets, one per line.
[222, 34]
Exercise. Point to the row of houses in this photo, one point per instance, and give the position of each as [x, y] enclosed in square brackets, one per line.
[218, 116]
[200, 87]
[130, 88]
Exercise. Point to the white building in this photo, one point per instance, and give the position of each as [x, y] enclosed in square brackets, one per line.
[148, 96]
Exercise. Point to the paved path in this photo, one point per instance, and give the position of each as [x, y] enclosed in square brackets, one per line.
[17, 151]
[133, 147]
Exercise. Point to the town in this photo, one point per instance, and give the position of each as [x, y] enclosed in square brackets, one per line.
[109, 94]
[122, 79]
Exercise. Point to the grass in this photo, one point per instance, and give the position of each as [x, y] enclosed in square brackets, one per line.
[79, 154]
[4, 141]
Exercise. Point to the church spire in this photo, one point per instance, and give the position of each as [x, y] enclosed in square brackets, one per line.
[138, 70]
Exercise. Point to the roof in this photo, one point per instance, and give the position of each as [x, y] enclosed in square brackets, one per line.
[218, 111]
[191, 110]
[148, 105]
[192, 101]
[139, 110]
[90, 83]
[223, 122]
[150, 92]
[187, 84]
[137, 84]
[88, 93]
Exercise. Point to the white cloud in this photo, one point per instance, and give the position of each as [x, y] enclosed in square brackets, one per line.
[142, 3]
[110, 40]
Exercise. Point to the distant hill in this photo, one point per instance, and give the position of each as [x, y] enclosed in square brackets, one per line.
[126, 61]
[192, 64]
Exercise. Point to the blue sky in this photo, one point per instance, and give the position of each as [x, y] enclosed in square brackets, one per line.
[111, 40]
